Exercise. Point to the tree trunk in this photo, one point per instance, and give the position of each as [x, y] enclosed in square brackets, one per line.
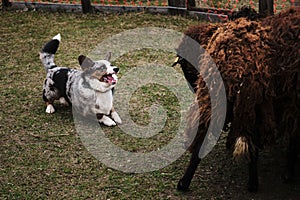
[177, 3]
[266, 7]
[86, 6]
[191, 4]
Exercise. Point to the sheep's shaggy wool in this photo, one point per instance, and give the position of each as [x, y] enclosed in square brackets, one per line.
[201, 34]
[259, 64]
[245, 81]
[285, 68]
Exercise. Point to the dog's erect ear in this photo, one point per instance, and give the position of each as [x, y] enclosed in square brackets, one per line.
[108, 56]
[85, 62]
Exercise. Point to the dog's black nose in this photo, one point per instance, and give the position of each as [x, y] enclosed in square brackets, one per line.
[116, 69]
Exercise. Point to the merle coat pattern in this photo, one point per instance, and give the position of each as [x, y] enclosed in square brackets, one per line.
[90, 89]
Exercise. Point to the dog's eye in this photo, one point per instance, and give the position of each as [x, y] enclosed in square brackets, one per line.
[101, 68]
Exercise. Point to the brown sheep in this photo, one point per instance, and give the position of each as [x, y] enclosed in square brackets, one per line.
[259, 64]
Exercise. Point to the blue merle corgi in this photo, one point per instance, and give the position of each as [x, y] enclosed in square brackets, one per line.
[90, 89]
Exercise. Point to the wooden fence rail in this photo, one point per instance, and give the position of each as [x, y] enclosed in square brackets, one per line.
[174, 7]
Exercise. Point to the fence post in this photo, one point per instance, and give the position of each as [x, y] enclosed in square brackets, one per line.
[191, 4]
[6, 3]
[86, 6]
[175, 7]
[266, 7]
[177, 3]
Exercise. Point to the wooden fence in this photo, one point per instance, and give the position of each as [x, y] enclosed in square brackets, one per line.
[212, 10]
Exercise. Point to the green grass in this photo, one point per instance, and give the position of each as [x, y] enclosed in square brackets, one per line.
[42, 156]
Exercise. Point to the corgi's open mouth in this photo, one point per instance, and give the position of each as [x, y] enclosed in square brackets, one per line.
[108, 78]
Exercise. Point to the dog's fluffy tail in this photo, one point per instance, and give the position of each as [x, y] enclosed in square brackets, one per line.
[48, 51]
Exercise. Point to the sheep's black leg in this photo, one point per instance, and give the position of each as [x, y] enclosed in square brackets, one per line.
[292, 153]
[253, 176]
[185, 181]
[229, 118]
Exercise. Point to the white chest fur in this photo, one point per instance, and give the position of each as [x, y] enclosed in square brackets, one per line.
[104, 102]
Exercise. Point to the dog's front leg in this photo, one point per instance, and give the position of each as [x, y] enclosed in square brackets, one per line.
[105, 120]
[115, 116]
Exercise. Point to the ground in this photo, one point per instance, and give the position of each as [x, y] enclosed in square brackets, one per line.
[42, 156]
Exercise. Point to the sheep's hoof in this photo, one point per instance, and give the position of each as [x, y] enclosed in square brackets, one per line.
[288, 178]
[182, 186]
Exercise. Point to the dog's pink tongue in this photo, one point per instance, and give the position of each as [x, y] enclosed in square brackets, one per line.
[111, 79]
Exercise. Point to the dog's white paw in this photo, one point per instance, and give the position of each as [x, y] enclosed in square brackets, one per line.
[115, 116]
[107, 121]
[50, 109]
